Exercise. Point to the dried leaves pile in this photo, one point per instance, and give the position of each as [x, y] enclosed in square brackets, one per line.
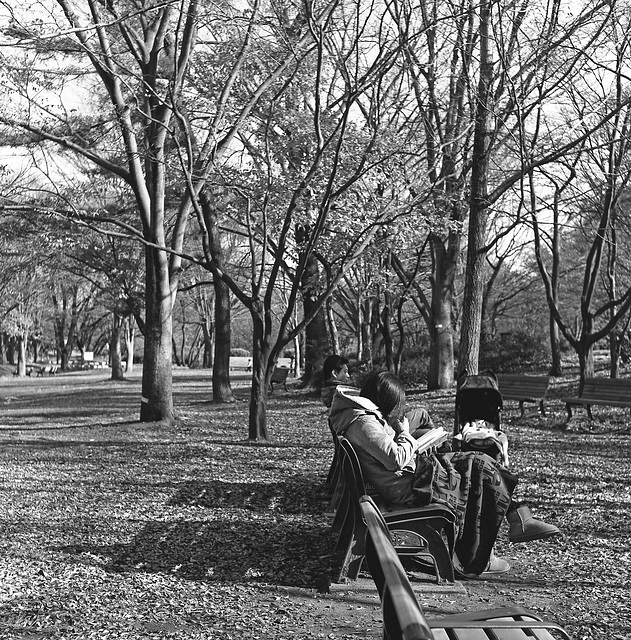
[114, 529]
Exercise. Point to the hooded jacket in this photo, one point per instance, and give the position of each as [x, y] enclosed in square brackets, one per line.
[386, 457]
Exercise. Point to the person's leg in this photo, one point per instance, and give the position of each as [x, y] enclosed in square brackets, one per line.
[420, 421]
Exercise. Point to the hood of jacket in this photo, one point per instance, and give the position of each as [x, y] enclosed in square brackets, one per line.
[347, 406]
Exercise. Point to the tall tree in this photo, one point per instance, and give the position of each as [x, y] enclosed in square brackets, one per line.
[332, 191]
[142, 60]
[596, 177]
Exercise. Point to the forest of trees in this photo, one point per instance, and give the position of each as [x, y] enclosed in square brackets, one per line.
[381, 179]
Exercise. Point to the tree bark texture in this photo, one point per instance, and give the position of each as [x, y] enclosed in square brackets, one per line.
[441, 361]
[116, 355]
[222, 391]
[157, 380]
[317, 344]
[478, 207]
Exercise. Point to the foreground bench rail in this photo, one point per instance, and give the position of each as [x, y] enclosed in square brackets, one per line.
[524, 389]
[613, 392]
[403, 617]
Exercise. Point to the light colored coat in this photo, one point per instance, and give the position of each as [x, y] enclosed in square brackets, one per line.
[387, 458]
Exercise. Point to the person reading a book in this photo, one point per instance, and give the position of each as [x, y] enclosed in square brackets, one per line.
[406, 471]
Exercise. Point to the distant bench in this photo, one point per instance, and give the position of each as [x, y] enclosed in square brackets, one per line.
[39, 369]
[524, 389]
[243, 363]
[279, 377]
[613, 392]
[51, 369]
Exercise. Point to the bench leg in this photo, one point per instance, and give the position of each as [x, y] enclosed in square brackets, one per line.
[568, 408]
[542, 408]
[440, 553]
[521, 408]
[589, 411]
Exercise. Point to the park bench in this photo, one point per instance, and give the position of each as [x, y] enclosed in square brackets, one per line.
[30, 369]
[403, 617]
[279, 377]
[425, 535]
[524, 389]
[243, 363]
[51, 369]
[613, 392]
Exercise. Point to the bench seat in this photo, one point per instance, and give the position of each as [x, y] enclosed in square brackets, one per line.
[612, 392]
[524, 389]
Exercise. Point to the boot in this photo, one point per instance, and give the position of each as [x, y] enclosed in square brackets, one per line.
[524, 528]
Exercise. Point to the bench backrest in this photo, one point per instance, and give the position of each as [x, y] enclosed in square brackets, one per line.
[280, 374]
[524, 385]
[351, 469]
[402, 614]
[616, 389]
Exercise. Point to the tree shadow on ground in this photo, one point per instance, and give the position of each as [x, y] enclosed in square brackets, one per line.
[267, 532]
[229, 549]
[297, 495]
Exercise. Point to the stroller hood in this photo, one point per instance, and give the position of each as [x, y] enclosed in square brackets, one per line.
[478, 398]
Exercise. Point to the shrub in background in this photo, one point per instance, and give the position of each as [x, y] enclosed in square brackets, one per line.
[514, 352]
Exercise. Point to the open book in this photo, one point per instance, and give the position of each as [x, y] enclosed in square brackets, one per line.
[433, 438]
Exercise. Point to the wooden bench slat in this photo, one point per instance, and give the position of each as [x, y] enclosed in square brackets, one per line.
[494, 629]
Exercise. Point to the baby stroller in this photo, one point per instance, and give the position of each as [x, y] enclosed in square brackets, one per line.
[477, 417]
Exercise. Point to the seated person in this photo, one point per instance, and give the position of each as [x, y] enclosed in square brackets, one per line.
[334, 373]
[472, 484]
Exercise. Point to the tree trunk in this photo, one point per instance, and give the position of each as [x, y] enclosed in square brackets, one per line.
[208, 358]
[260, 379]
[441, 360]
[222, 391]
[115, 347]
[297, 357]
[366, 356]
[317, 344]
[478, 207]
[22, 339]
[556, 368]
[129, 343]
[157, 379]
[332, 325]
[386, 332]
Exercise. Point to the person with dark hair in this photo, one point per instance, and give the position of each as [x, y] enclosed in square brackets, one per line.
[334, 373]
[474, 485]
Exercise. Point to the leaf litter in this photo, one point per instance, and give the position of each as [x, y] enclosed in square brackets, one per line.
[116, 529]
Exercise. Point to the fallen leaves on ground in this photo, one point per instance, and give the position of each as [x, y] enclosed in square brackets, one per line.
[116, 529]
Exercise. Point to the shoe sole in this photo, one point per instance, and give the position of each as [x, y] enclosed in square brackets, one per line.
[535, 537]
[481, 576]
